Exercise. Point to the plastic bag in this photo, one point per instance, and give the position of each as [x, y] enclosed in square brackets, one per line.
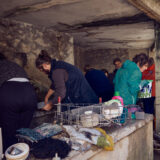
[105, 141]
[96, 136]
[145, 89]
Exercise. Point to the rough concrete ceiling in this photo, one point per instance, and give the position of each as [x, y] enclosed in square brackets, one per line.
[93, 23]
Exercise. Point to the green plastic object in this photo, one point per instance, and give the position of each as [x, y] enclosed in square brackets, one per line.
[133, 116]
[116, 93]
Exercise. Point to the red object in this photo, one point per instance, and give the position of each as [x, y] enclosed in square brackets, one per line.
[119, 98]
[149, 74]
[100, 99]
[59, 99]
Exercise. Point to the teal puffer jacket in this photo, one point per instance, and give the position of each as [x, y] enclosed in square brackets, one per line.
[127, 80]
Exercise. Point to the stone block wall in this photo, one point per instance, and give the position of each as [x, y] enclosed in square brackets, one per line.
[22, 37]
[104, 58]
[79, 55]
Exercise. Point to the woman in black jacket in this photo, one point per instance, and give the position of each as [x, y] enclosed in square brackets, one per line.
[17, 100]
[68, 82]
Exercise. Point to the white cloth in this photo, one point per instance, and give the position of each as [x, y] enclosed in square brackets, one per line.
[19, 79]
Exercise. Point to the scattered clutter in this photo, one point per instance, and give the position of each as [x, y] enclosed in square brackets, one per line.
[77, 128]
[95, 136]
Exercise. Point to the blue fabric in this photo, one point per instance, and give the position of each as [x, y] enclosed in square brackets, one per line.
[127, 80]
[100, 84]
[45, 130]
[77, 88]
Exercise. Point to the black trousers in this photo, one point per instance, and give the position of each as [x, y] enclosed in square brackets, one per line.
[17, 104]
[149, 105]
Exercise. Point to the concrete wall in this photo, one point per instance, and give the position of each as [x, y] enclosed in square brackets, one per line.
[136, 146]
[104, 58]
[79, 55]
[22, 37]
[157, 70]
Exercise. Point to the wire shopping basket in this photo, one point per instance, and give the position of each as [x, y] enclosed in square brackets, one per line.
[90, 115]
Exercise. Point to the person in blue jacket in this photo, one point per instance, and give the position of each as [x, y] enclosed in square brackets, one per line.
[99, 83]
[128, 78]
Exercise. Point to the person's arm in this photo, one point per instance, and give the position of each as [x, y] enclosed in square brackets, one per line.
[59, 77]
[49, 93]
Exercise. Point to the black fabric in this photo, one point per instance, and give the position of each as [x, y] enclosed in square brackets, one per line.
[100, 84]
[77, 88]
[149, 105]
[10, 70]
[112, 75]
[47, 148]
[17, 104]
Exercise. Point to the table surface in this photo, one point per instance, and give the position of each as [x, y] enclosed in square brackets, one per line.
[117, 132]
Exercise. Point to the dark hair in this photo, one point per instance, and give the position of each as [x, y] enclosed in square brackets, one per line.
[87, 68]
[150, 61]
[105, 71]
[116, 59]
[43, 57]
[141, 58]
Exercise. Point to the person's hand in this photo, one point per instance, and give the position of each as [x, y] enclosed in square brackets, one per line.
[46, 99]
[47, 107]
[49, 93]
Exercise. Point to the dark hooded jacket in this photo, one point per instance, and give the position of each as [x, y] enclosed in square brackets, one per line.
[100, 84]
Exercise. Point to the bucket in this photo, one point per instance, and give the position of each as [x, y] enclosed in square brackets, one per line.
[18, 151]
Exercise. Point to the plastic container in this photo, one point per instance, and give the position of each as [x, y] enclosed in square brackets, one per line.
[18, 151]
[112, 111]
[119, 98]
[89, 119]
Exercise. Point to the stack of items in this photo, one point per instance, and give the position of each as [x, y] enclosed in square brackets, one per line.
[82, 138]
[43, 131]
[43, 144]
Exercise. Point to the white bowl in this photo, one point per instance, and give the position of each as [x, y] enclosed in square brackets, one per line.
[22, 156]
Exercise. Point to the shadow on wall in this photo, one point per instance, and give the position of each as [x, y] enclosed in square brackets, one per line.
[41, 91]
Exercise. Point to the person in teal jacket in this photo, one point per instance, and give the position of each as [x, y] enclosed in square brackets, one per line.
[128, 78]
